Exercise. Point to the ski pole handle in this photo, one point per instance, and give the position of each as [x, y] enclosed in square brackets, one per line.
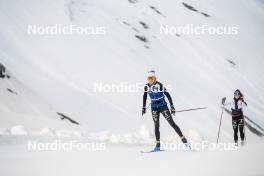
[223, 100]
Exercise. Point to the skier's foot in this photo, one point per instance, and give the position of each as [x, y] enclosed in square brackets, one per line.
[157, 143]
[236, 144]
[156, 149]
[242, 142]
[184, 140]
[187, 145]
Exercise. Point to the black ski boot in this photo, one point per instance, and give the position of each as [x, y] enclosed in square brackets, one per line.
[157, 147]
[187, 145]
[236, 144]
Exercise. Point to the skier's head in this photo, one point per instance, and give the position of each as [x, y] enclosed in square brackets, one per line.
[151, 77]
[238, 94]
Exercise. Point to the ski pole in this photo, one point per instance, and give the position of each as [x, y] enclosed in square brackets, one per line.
[244, 129]
[192, 109]
[245, 135]
[220, 125]
[223, 103]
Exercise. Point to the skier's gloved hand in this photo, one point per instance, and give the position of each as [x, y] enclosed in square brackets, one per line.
[143, 111]
[223, 100]
[245, 102]
[242, 99]
[173, 111]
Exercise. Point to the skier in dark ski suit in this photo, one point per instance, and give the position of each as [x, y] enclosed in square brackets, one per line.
[156, 92]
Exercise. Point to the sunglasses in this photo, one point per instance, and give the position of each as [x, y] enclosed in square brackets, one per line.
[151, 78]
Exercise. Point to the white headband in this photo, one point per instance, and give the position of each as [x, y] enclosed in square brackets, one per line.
[151, 73]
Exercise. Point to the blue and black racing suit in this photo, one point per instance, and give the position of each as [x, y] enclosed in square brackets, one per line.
[157, 95]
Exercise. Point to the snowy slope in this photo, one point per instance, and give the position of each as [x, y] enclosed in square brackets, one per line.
[57, 73]
[64, 75]
[57, 70]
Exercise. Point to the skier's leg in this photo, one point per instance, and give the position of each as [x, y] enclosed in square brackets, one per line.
[241, 128]
[166, 113]
[235, 128]
[155, 117]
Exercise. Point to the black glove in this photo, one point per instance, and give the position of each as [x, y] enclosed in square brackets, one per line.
[244, 101]
[173, 111]
[143, 111]
[223, 100]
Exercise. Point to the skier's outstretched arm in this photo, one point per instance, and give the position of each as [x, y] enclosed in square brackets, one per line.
[168, 96]
[244, 104]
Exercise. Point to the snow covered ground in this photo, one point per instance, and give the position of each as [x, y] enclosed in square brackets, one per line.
[127, 160]
[50, 93]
